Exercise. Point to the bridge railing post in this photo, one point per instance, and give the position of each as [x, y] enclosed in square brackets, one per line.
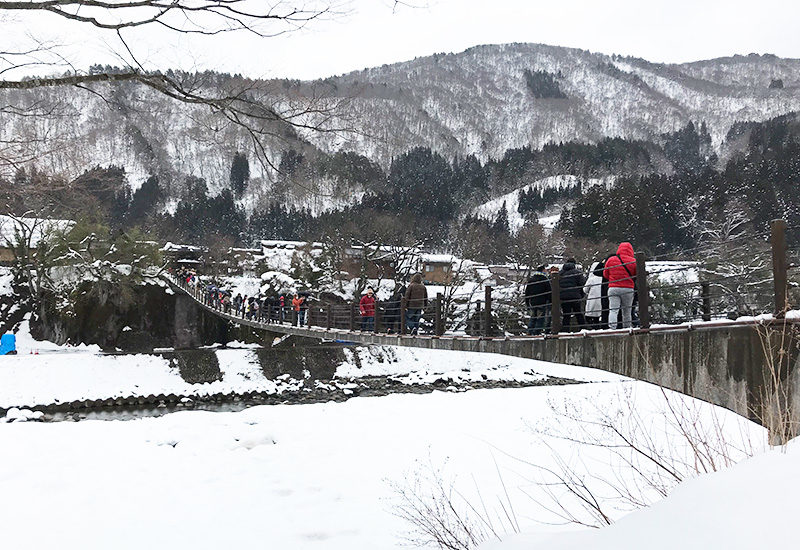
[352, 320]
[487, 312]
[779, 266]
[403, 307]
[438, 325]
[328, 316]
[705, 292]
[377, 327]
[478, 323]
[643, 290]
[555, 304]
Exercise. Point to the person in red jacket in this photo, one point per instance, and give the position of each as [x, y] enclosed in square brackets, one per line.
[620, 272]
[367, 308]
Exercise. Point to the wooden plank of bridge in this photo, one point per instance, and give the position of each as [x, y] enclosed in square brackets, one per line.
[438, 326]
[779, 266]
[706, 294]
[403, 306]
[487, 311]
[643, 290]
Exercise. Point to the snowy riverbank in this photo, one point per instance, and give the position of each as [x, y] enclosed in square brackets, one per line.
[307, 476]
[59, 374]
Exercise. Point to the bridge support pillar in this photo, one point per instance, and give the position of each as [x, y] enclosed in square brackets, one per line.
[779, 266]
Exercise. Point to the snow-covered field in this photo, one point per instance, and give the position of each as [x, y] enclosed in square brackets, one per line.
[325, 475]
[303, 476]
[333, 475]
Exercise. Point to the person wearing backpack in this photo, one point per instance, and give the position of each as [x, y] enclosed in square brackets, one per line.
[620, 270]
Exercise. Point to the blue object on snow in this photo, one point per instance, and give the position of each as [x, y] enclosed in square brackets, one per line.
[8, 343]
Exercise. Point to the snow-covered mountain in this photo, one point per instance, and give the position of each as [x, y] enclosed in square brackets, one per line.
[482, 101]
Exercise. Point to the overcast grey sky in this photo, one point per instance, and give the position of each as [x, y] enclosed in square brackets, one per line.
[374, 32]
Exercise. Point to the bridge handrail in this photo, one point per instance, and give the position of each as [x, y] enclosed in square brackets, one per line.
[504, 314]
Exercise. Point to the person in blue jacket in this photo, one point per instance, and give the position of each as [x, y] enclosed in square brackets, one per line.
[8, 344]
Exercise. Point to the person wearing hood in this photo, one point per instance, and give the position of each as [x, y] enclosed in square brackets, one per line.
[620, 270]
[366, 306]
[593, 289]
[572, 282]
[537, 299]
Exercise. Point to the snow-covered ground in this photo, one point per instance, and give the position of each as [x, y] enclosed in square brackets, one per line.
[749, 506]
[55, 374]
[324, 475]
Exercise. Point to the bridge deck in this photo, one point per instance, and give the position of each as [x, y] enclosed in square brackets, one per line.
[462, 342]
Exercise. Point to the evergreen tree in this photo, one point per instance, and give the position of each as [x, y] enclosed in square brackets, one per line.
[240, 174]
[501, 226]
[144, 201]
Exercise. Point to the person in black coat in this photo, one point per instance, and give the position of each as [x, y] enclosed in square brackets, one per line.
[391, 318]
[572, 282]
[538, 297]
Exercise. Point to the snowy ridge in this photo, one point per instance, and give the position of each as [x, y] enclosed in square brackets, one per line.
[490, 209]
[474, 102]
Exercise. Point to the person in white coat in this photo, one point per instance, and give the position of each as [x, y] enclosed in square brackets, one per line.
[593, 290]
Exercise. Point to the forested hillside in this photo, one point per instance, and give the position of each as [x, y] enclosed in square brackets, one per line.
[408, 151]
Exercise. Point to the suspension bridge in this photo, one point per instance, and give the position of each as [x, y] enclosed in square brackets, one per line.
[726, 362]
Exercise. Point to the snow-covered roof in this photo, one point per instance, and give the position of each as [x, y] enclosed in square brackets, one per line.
[271, 243]
[38, 227]
[173, 247]
[438, 258]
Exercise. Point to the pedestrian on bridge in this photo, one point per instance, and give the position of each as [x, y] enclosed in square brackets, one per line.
[593, 289]
[620, 270]
[270, 303]
[366, 306]
[416, 300]
[571, 294]
[393, 306]
[300, 305]
[538, 297]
